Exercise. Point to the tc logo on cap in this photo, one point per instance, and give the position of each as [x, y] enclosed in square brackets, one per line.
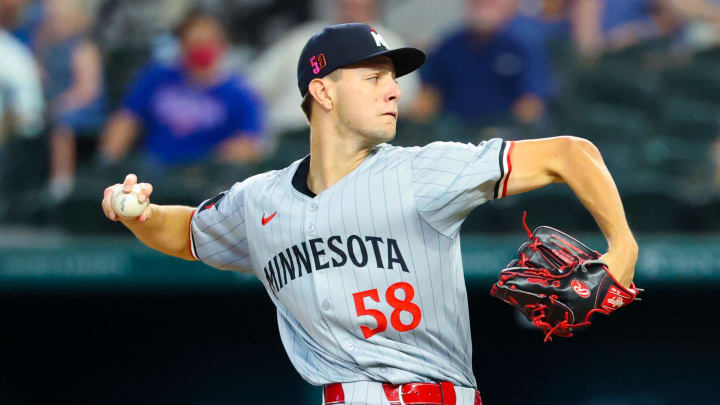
[379, 41]
[318, 62]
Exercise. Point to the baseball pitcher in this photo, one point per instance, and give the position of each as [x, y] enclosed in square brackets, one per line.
[357, 243]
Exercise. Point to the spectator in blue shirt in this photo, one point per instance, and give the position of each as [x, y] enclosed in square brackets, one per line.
[192, 111]
[494, 67]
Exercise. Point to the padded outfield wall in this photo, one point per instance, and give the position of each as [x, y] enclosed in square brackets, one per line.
[108, 321]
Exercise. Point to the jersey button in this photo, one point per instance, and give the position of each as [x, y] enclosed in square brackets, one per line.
[310, 228]
[326, 305]
[313, 207]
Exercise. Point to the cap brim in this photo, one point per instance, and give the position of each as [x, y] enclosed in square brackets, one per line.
[406, 60]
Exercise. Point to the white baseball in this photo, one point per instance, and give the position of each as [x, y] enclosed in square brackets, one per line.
[127, 205]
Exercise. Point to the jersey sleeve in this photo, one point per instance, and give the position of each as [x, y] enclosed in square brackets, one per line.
[218, 234]
[450, 179]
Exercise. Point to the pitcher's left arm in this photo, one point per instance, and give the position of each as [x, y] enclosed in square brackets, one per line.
[539, 162]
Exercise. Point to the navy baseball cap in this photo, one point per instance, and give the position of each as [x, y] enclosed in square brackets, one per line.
[344, 44]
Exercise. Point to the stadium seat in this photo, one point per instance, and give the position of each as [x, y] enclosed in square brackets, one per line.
[602, 122]
[689, 118]
[698, 81]
[619, 84]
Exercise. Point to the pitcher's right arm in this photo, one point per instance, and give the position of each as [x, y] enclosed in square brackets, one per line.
[165, 228]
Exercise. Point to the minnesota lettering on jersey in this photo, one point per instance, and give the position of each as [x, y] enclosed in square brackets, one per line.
[311, 255]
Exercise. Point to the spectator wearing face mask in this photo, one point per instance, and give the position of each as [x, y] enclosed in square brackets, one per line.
[192, 111]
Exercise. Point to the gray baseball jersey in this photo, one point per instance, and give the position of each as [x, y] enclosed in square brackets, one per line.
[366, 276]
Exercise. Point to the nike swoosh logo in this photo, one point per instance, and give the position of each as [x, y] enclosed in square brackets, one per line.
[266, 220]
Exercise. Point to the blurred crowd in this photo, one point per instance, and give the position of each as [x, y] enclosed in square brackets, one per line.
[206, 90]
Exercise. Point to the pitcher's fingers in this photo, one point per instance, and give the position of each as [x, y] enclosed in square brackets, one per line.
[108, 211]
[145, 215]
[107, 203]
[130, 181]
[145, 190]
[108, 191]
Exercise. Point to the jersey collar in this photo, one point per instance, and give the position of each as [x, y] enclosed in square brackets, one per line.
[299, 180]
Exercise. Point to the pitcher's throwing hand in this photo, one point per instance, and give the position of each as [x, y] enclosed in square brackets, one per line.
[130, 200]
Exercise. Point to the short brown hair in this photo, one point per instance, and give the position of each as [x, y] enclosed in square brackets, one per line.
[307, 100]
[195, 16]
[306, 105]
